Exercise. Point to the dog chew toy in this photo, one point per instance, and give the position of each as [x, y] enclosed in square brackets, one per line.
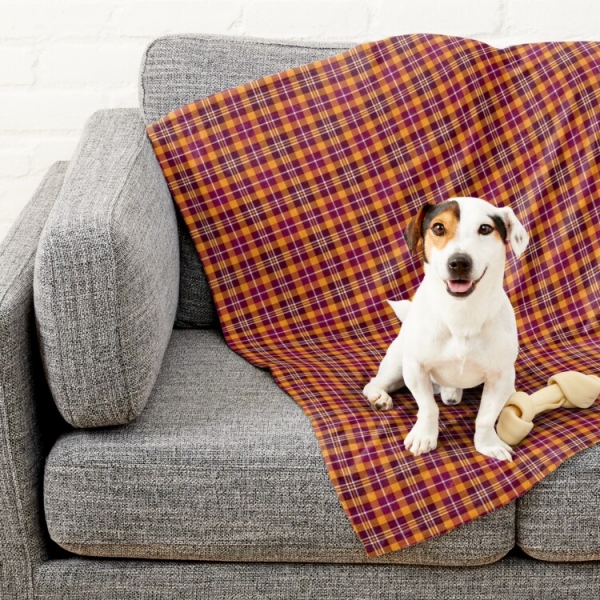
[570, 389]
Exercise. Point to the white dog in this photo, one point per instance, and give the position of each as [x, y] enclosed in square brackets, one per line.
[460, 330]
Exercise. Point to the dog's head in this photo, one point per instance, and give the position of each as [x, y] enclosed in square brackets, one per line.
[464, 240]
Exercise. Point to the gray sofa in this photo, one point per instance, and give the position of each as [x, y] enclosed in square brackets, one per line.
[141, 458]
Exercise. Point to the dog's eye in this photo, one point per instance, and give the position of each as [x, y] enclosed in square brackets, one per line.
[486, 229]
[438, 229]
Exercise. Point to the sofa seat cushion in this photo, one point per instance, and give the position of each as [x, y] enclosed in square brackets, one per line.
[559, 519]
[221, 465]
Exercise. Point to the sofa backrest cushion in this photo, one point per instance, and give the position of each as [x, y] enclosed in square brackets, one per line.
[106, 275]
[180, 69]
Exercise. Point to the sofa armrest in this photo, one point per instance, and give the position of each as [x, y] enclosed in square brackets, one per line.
[106, 279]
[24, 398]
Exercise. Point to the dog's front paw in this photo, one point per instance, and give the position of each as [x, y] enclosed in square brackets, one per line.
[422, 437]
[377, 397]
[491, 445]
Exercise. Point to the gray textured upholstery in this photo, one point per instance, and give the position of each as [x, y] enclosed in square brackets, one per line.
[107, 275]
[196, 307]
[509, 579]
[180, 69]
[24, 400]
[559, 518]
[177, 70]
[221, 465]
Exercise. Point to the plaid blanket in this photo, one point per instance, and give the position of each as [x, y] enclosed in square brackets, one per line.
[296, 189]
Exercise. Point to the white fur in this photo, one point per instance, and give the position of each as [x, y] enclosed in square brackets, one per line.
[457, 343]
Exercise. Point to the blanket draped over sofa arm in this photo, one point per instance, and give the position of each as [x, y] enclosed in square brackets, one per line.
[25, 404]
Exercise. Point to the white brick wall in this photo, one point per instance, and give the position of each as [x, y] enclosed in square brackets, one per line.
[60, 60]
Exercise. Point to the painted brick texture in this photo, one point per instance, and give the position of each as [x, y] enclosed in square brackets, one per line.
[61, 60]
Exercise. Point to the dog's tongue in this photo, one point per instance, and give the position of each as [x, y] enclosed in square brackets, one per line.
[459, 286]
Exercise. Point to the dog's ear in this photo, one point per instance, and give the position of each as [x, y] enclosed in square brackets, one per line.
[413, 233]
[515, 232]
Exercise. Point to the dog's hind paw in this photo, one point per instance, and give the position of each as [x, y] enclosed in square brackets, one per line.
[384, 402]
[451, 396]
[377, 397]
[381, 401]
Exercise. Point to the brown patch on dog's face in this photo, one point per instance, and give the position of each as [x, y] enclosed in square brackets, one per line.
[440, 226]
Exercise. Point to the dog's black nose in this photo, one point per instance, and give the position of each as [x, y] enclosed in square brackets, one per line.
[459, 266]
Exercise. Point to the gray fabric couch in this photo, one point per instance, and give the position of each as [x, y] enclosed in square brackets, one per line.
[141, 458]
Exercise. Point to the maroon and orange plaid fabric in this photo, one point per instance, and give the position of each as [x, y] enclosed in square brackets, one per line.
[296, 189]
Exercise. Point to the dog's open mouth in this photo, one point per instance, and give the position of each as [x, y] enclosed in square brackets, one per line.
[461, 288]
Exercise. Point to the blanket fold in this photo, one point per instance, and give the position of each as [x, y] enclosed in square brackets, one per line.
[296, 189]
